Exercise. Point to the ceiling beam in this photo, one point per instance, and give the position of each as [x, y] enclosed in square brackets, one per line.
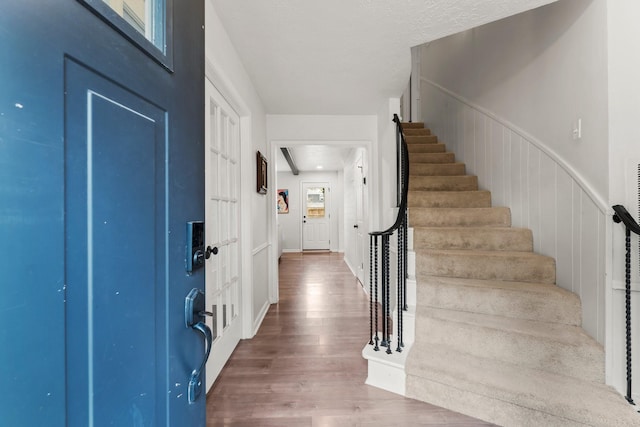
[289, 159]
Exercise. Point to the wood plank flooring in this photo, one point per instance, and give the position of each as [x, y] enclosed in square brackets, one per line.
[305, 368]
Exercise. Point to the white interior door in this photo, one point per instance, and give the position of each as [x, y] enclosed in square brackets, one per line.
[316, 219]
[360, 229]
[222, 276]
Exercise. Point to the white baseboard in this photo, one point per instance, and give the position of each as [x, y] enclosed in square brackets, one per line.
[353, 271]
[260, 317]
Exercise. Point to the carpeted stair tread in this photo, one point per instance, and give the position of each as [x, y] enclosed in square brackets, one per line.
[449, 199]
[554, 347]
[494, 337]
[436, 169]
[443, 183]
[454, 217]
[446, 157]
[473, 238]
[511, 395]
[426, 148]
[493, 265]
[532, 301]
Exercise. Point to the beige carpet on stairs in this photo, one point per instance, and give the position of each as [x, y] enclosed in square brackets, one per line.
[496, 339]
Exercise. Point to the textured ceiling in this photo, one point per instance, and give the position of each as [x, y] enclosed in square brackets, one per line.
[343, 56]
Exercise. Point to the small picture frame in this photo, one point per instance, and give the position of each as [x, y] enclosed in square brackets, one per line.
[261, 173]
[282, 201]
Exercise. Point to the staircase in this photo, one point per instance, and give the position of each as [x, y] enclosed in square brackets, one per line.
[495, 338]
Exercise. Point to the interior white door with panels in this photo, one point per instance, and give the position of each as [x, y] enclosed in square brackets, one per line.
[222, 231]
[316, 217]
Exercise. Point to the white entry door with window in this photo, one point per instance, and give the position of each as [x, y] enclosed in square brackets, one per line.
[316, 219]
[222, 276]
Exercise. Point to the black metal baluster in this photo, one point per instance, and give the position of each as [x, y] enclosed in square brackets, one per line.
[375, 258]
[383, 281]
[404, 267]
[628, 309]
[387, 312]
[399, 289]
[370, 290]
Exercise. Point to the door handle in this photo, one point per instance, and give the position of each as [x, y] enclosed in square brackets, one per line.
[195, 313]
[210, 250]
[355, 226]
[195, 382]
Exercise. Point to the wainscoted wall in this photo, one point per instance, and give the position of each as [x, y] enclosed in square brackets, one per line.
[544, 194]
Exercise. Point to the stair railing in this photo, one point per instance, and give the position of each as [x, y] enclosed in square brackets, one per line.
[379, 253]
[622, 216]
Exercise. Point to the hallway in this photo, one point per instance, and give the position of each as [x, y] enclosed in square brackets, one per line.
[304, 367]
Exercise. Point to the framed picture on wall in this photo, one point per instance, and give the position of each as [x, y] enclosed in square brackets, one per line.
[282, 201]
[261, 173]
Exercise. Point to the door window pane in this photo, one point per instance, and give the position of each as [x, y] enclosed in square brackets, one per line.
[143, 16]
[144, 22]
[315, 202]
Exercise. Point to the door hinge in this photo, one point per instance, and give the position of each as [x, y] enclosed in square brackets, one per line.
[364, 181]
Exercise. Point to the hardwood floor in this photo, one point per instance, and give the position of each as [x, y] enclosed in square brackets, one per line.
[305, 368]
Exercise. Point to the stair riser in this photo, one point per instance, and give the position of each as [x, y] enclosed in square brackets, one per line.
[426, 148]
[431, 157]
[493, 410]
[474, 266]
[494, 239]
[412, 125]
[537, 306]
[428, 217]
[449, 199]
[525, 350]
[443, 183]
[421, 139]
[445, 169]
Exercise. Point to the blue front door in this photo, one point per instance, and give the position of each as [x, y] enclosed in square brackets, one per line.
[100, 170]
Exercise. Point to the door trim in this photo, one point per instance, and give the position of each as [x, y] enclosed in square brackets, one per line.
[371, 190]
[216, 75]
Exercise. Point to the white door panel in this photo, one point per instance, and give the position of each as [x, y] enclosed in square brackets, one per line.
[222, 277]
[316, 229]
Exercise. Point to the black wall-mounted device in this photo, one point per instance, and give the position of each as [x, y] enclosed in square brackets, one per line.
[194, 257]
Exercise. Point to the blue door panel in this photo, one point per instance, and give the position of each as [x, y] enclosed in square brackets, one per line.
[31, 230]
[115, 206]
[77, 336]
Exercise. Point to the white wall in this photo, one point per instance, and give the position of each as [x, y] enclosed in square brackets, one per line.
[541, 70]
[291, 223]
[225, 70]
[624, 158]
[385, 214]
[351, 175]
[503, 97]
